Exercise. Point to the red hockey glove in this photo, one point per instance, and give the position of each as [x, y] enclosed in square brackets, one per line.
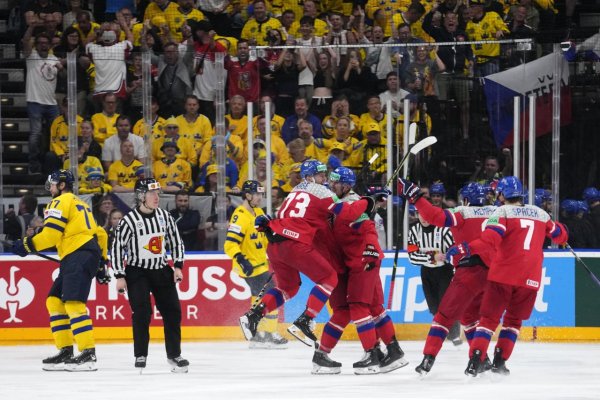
[457, 253]
[409, 190]
[370, 257]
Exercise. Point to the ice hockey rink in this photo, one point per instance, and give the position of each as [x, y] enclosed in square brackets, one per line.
[229, 370]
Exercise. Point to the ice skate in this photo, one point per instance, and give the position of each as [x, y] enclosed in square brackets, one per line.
[249, 321]
[259, 341]
[474, 364]
[179, 365]
[303, 330]
[323, 365]
[425, 366]
[85, 361]
[486, 365]
[276, 341]
[140, 363]
[57, 361]
[499, 364]
[394, 358]
[368, 365]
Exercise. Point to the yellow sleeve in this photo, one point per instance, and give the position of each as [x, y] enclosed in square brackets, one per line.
[52, 232]
[235, 235]
[102, 238]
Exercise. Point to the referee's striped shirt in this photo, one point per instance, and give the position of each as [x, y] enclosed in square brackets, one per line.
[142, 240]
[422, 240]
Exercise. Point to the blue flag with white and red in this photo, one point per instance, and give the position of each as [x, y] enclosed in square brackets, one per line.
[533, 78]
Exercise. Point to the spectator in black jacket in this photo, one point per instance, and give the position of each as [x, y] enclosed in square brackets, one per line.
[15, 225]
[187, 221]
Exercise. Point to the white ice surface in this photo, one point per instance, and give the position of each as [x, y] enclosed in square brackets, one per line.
[229, 370]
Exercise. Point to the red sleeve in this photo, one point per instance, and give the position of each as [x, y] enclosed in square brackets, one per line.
[349, 212]
[435, 215]
[557, 232]
[485, 246]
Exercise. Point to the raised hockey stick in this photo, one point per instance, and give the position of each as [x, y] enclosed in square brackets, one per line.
[589, 271]
[42, 255]
[415, 149]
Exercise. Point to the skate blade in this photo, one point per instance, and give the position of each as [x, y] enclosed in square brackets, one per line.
[393, 366]
[320, 370]
[53, 367]
[298, 334]
[258, 346]
[244, 326]
[281, 346]
[179, 370]
[422, 374]
[140, 369]
[86, 367]
[372, 370]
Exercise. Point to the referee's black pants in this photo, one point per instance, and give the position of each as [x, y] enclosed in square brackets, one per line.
[140, 283]
[435, 282]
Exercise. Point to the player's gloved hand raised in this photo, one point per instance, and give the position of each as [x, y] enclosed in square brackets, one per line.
[102, 275]
[379, 193]
[22, 247]
[247, 267]
[370, 257]
[409, 190]
[261, 223]
[457, 253]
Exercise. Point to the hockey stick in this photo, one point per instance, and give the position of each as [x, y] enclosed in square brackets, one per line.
[262, 292]
[415, 149]
[42, 255]
[589, 271]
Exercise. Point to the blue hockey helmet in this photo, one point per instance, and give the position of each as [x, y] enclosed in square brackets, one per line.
[58, 176]
[251, 187]
[569, 206]
[476, 195]
[510, 187]
[311, 168]
[343, 175]
[437, 188]
[591, 194]
[538, 199]
[583, 207]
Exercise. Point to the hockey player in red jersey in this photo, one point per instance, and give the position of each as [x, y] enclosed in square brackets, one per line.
[359, 294]
[512, 246]
[463, 297]
[304, 212]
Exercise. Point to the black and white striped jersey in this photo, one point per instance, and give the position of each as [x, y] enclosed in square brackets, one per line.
[142, 240]
[424, 242]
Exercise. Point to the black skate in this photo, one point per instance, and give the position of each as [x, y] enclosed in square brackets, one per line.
[303, 330]
[425, 366]
[57, 362]
[140, 363]
[368, 365]
[499, 364]
[380, 352]
[249, 321]
[276, 341]
[474, 365]
[394, 358]
[486, 365]
[323, 365]
[85, 361]
[179, 365]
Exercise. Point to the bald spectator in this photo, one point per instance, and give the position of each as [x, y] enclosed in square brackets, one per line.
[122, 173]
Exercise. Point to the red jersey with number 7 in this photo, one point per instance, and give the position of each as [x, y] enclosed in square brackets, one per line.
[514, 238]
[308, 208]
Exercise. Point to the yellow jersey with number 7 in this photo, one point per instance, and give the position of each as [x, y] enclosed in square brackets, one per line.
[68, 225]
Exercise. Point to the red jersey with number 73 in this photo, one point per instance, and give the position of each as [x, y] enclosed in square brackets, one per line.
[308, 208]
[516, 235]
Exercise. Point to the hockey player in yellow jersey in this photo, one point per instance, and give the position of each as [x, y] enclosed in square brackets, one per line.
[248, 249]
[82, 247]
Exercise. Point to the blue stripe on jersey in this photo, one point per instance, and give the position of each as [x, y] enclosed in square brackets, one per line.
[236, 233]
[331, 331]
[435, 331]
[496, 229]
[508, 334]
[319, 294]
[228, 239]
[82, 329]
[54, 226]
[58, 317]
[60, 328]
[62, 219]
[79, 319]
[449, 220]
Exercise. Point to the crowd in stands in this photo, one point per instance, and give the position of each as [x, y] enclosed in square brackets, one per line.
[326, 103]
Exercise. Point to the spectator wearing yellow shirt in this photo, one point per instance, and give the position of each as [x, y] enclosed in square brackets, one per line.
[278, 146]
[173, 174]
[59, 139]
[309, 9]
[234, 148]
[293, 178]
[85, 163]
[185, 146]
[340, 107]
[177, 17]
[342, 136]
[374, 143]
[256, 28]
[422, 119]
[193, 125]
[158, 123]
[237, 119]
[382, 11]
[122, 173]
[85, 27]
[105, 122]
[485, 26]
[277, 120]
[375, 115]
[159, 8]
[94, 183]
[305, 132]
[413, 17]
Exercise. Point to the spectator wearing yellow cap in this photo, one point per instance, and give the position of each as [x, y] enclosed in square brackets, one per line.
[375, 115]
[374, 143]
[231, 175]
[293, 178]
[185, 145]
[173, 174]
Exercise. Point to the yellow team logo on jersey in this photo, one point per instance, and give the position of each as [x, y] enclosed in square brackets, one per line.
[154, 245]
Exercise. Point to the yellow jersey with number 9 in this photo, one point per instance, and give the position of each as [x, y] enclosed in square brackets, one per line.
[68, 225]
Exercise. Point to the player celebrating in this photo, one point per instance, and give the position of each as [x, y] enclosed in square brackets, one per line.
[81, 245]
[302, 215]
[359, 294]
[512, 246]
[248, 248]
[463, 296]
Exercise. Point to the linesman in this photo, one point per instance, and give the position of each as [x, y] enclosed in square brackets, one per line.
[248, 249]
[82, 246]
[139, 260]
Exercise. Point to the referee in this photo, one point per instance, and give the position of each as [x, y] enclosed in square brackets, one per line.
[141, 240]
[427, 246]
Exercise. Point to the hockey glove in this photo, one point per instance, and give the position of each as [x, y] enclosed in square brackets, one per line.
[379, 193]
[247, 267]
[261, 223]
[23, 247]
[457, 253]
[370, 257]
[102, 275]
[410, 191]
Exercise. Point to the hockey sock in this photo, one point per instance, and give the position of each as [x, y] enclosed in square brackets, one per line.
[81, 325]
[435, 339]
[384, 327]
[365, 326]
[59, 322]
[273, 299]
[506, 341]
[269, 322]
[316, 300]
[333, 329]
[470, 331]
[481, 341]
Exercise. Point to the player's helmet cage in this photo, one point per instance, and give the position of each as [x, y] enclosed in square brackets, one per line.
[343, 175]
[510, 187]
[311, 168]
[251, 187]
[58, 176]
[437, 188]
[143, 186]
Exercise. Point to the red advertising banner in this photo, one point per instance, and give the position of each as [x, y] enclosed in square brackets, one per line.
[211, 294]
